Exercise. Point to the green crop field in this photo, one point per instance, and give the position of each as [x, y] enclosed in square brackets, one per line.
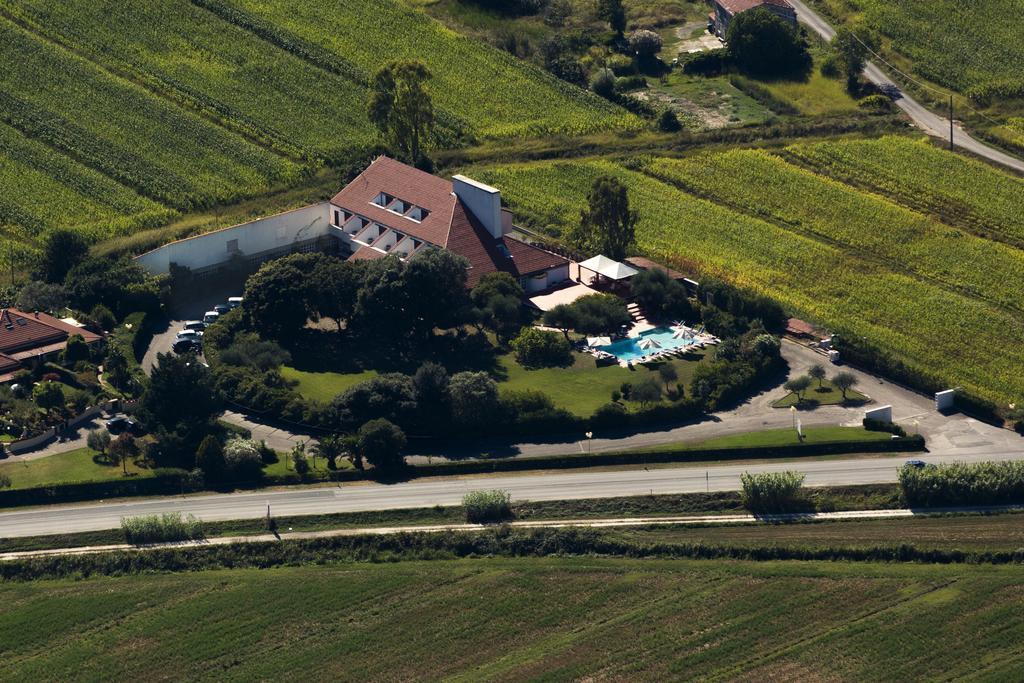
[967, 46]
[115, 117]
[522, 619]
[145, 142]
[489, 91]
[920, 176]
[758, 183]
[832, 263]
[196, 57]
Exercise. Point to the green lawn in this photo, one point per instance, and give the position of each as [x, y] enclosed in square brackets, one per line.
[584, 387]
[523, 619]
[64, 468]
[707, 102]
[580, 389]
[826, 395]
[788, 437]
[324, 386]
[818, 96]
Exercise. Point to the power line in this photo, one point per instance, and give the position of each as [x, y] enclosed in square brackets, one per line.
[918, 83]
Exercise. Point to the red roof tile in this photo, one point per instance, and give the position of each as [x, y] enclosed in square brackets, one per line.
[408, 184]
[449, 224]
[469, 239]
[366, 254]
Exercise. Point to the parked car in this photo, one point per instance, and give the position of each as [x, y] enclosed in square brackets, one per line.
[221, 309]
[197, 325]
[210, 317]
[234, 302]
[915, 463]
[119, 424]
[186, 346]
[190, 335]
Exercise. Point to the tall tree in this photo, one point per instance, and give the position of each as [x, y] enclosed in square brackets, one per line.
[763, 44]
[853, 47]
[614, 13]
[180, 395]
[401, 107]
[607, 226]
[381, 443]
[63, 250]
[276, 301]
[844, 381]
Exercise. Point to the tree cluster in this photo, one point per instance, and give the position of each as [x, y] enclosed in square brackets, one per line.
[386, 299]
[607, 226]
[593, 314]
[765, 45]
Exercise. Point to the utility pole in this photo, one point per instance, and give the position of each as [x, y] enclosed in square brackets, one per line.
[951, 123]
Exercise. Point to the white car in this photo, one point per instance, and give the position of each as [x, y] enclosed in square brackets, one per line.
[190, 335]
[210, 317]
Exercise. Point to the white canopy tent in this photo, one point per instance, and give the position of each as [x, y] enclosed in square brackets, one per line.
[607, 268]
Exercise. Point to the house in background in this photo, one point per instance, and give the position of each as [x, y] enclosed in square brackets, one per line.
[723, 11]
[27, 339]
[392, 208]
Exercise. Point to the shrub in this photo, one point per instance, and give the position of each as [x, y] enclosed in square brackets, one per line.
[210, 458]
[487, 506]
[668, 122]
[646, 391]
[708, 63]
[772, 491]
[98, 440]
[645, 44]
[381, 443]
[165, 528]
[535, 348]
[474, 398]
[983, 483]
[599, 314]
[5, 481]
[882, 426]
[603, 83]
[877, 104]
[831, 66]
[243, 459]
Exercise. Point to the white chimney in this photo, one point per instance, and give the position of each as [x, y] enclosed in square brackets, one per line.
[482, 200]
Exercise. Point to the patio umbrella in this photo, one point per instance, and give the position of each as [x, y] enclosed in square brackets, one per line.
[598, 341]
[648, 343]
[681, 333]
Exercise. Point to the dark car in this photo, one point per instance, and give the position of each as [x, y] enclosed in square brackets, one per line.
[915, 463]
[186, 346]
[119, 424]
[221, 308]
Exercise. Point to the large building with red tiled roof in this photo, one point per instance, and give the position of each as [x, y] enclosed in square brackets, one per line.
[392, 208]
[723, 11]
[27, 338]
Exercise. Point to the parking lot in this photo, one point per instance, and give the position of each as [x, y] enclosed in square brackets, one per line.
[166, 331]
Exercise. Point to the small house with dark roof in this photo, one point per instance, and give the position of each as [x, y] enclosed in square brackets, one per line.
[393, 208]
[29, 338]
[723, 11]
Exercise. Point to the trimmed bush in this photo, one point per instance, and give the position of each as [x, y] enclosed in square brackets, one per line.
[483, 507]
[536, 348]
[772, 491]
[164, 528]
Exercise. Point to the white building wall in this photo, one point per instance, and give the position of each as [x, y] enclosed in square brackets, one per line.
[247, 239]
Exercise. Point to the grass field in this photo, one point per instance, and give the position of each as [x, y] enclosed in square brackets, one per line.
[73, 466]
[324, 386]
[788, 437]
[820, 248]
[516, 619]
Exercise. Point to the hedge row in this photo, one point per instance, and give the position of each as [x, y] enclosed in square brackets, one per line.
[496, 542]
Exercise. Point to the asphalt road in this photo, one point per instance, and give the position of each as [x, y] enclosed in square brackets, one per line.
[449, 491]
[929, 122]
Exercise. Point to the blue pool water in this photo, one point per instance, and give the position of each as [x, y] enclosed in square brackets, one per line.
[629, 349]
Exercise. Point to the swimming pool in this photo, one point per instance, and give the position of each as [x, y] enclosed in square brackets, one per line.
[630, 350]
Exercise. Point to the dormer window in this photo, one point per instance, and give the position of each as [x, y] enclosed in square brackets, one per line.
[383, 200]
[399, 207]
[417, 213]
